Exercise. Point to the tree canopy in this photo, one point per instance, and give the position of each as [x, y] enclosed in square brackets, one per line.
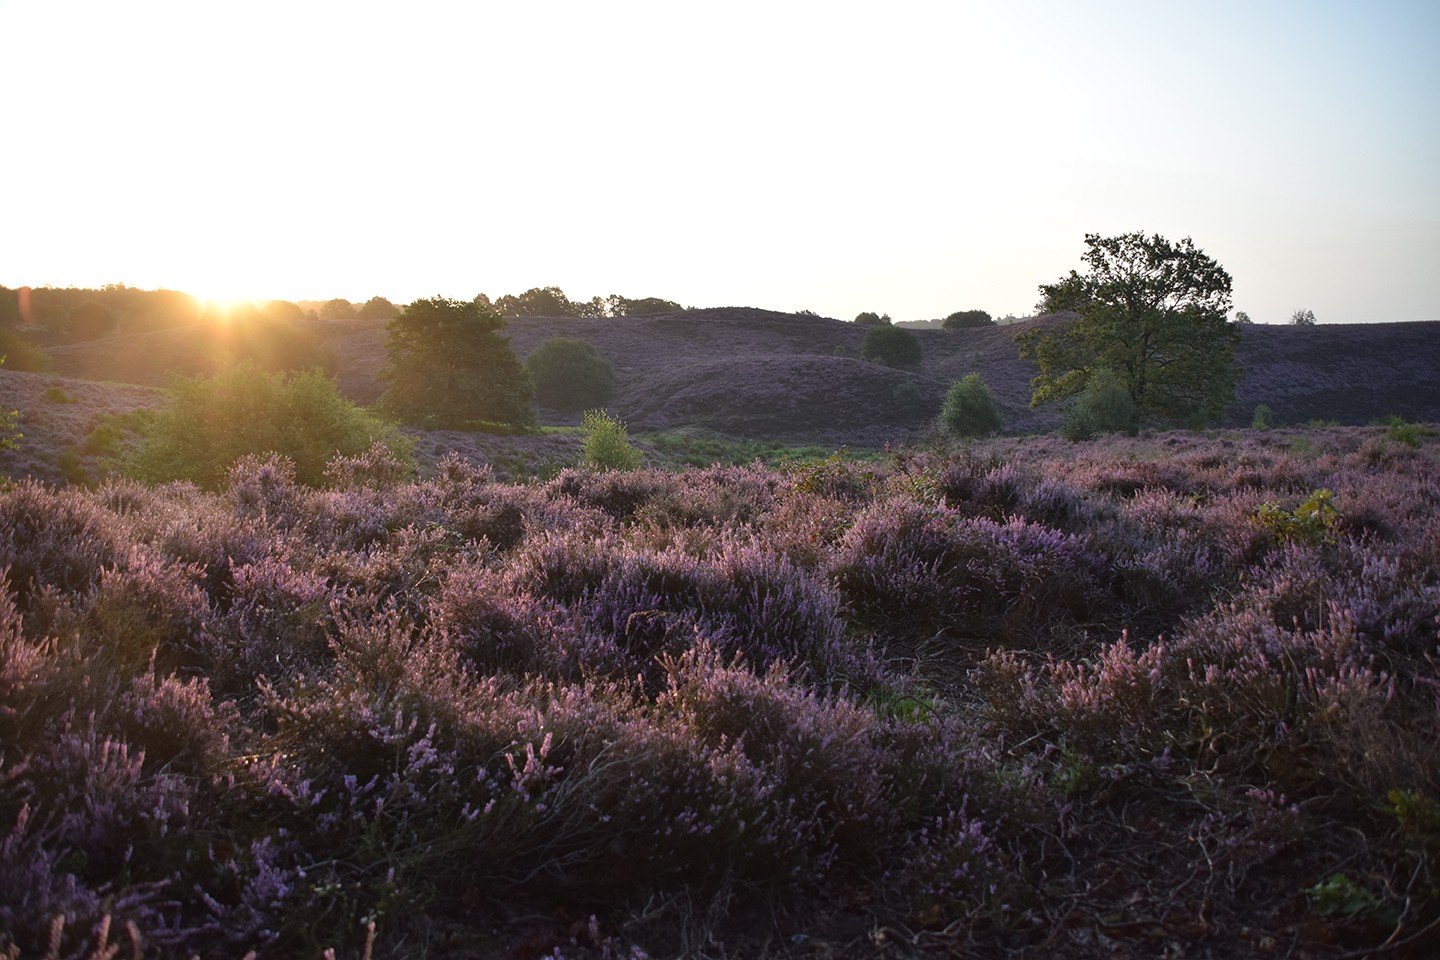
[570, 374]
[449, 367]
[869, 318]
[1152, 312]
[962, 319]
[892, 346]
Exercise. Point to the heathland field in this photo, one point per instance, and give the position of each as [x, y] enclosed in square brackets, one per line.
[1174, 694]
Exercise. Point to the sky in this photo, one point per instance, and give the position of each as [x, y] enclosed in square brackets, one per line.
[910, 158]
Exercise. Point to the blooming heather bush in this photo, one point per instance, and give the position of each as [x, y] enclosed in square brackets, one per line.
[929, 568]
[263, 718]
[146, 608]
[824, 756]
[60, 540]
[262, 487]
[378, 467]
[1002, 491]
[498, 628]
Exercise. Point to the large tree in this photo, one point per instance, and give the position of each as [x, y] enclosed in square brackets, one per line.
[1151, 312]
[450, 367]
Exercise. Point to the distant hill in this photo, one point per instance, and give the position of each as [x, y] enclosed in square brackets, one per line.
[791, 377]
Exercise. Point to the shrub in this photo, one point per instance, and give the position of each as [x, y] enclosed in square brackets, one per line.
[869, 318]
[892, 346]
[1105, 406]
[607, 443]
[212, 421]
[1401, 432]
[570, 374]
[963, 319]
[21, 354]
[969, 410]
[56, 394]
[1263, 418]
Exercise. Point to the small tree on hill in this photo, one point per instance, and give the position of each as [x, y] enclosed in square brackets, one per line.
[1152, 312]
[570, 374]
[963, 319]
[378, 308]
[450, 367]
[337, 309]
[892, 346]
[1243, 318]
[969, 409]
[1302, 318]
[869, 319]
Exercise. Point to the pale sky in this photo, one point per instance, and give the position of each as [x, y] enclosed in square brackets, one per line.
[912, 158]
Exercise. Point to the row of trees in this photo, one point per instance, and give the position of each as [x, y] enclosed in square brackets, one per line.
[959, 320]
[552, 302]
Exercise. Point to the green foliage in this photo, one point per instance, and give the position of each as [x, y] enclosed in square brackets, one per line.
[1243, 318]
[1313, 522]
[908, 394]
[1151, 311]
[90, 320]
[1339, 897]
[607, 443]
[618, 306]
[963, 319]
[449, 367]
[56, 394]
[378, 308]
[1263, 418]
[1409, 434]
[1302, 318]
[570, 374]
[9, 437]
[870, 319]
[21, 354]
[703, 450]
[839, 475]
[337, 309]
[210, 422]
[1104, 406]
[892, 346]
[9, 307]
[969, 410]
[541, 302]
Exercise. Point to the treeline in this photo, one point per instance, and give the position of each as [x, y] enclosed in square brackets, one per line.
[74, 314]
[552, 302]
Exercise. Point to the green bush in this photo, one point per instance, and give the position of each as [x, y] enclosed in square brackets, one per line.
[892, 346]
[1104, 406]
[570, 374]
[969, 410]
[1263, 418]
[212, 421]
[1401, 432]
[968, 319]
[607, 443]
[21, 354]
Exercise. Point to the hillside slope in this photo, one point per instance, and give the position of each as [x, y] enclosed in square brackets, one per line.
[763, 374]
